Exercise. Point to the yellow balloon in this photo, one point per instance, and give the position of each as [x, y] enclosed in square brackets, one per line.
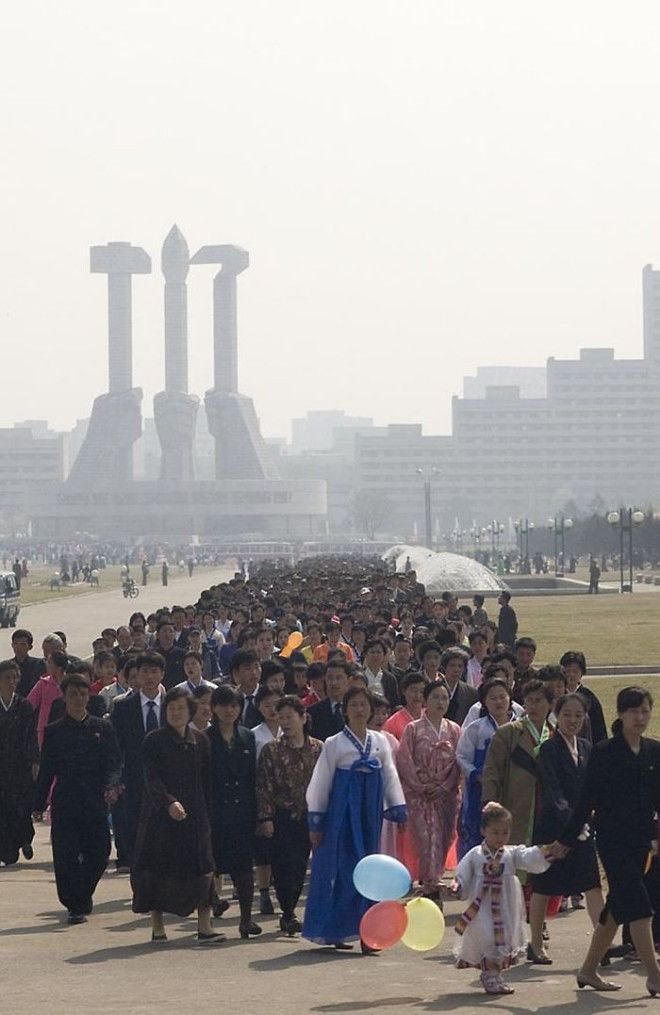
[294, 640]
[426, 925]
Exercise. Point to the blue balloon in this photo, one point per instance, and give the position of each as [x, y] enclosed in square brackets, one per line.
[381, 878]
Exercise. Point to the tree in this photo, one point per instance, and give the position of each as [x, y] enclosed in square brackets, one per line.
[369, 510]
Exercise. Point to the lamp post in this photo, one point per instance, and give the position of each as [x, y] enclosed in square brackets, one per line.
[625, 518]
[427, 473]
[523, 527]
[558, 526]
[495, 529]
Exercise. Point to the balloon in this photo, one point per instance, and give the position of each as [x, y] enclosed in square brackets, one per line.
[426, 925]
[383, 925]
[293, 642]
[380, 877]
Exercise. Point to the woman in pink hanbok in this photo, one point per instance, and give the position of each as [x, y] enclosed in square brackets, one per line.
[430, 777]
[412, 688]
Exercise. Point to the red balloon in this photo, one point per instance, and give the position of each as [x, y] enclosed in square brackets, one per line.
[383, 924]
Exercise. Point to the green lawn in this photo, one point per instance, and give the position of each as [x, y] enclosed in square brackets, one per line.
[36, 587]
[607, 688]
[610, 630]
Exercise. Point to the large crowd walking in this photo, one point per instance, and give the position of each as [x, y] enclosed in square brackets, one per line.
[289, 723]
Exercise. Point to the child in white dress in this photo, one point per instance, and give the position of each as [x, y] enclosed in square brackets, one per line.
[491, 934]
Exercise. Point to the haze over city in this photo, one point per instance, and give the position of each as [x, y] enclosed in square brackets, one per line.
[423, 188]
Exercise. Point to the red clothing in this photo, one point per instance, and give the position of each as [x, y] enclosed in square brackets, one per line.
[41, 697]
[98, 686]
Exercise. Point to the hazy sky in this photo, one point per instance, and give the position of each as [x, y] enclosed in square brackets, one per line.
[424, 186]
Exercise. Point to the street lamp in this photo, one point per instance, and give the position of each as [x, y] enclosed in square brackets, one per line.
[495, 529]
[625, 518]
[558, 525]
[523, 527]
[427, 473]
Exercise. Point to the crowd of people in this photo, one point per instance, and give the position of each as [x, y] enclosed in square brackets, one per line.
[334, 712]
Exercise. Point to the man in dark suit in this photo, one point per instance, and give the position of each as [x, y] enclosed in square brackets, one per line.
[31, 668]
[507, 621]
[133, 716]
[180, 631]
[80, 752]
[326, 716]
[171, 653]
[245, 670]
[453, 663]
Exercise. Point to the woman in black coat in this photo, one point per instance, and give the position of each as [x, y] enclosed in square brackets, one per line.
[173, 864]
[622, 790]
[234, 799]
[562, 769]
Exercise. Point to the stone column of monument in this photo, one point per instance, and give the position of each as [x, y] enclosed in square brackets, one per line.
[240, 451]
[175, 411]
[106, 455]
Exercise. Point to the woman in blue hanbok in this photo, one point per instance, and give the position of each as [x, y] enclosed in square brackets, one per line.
[471, 754]
[353, 787]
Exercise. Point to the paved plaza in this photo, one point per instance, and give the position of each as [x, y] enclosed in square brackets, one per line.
[108, 965]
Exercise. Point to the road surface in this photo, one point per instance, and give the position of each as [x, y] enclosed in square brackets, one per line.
[83, 617]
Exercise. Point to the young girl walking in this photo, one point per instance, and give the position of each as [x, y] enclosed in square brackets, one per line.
[491, 933]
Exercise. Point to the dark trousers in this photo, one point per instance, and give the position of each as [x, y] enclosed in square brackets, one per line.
[290, 848]
[130, 802]
[81, 847]
[119, 827]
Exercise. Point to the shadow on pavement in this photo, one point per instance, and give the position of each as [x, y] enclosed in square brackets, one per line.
[383, 1002]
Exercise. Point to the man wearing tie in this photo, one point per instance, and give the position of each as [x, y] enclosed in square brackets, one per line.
[326, 715]
[133, 716]
[245, 670]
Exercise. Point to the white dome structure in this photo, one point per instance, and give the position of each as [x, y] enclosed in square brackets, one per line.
[444, 572]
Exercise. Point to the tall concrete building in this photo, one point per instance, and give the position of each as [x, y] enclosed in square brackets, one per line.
[531, 381]
[27, 461]
[391, 465]
[320, 428]
[591, 430]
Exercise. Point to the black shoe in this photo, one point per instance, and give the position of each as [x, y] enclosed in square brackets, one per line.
[266, 906]
[158, 937]
[220, 906]
[214, 938]
[27, 851]
[366, 950]
[291, 926]
[537, 960]
[74, 918]
[619, 951]
[250, 930]
[343, 946]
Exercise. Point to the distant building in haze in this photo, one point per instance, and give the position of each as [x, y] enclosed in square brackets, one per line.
[316, 431]
[530, 380]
